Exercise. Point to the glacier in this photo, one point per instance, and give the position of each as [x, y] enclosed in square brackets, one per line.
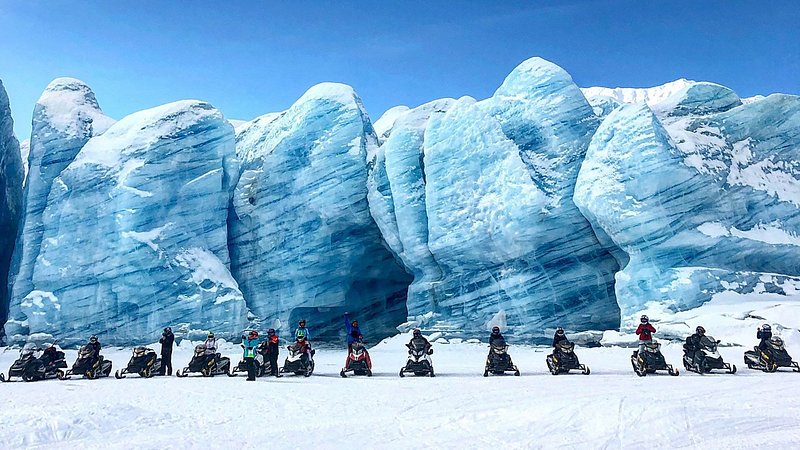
[475, 198]
[127, 223]
[303, 242]
[11, 176]
[701, 193]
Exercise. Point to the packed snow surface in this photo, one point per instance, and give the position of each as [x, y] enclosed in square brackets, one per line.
[459, 409]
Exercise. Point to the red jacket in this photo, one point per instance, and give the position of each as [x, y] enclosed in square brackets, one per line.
[645, 332]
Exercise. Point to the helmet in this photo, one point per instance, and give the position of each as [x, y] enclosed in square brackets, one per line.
[559, 330]
[210, 334]
[495, 330]
[253, 334]
[766, 327]
[644, 319]
[302, 323]
[417, 332]
[354, 324]
[271, 331]
[168, 330]
[700, 330]
[93, 339]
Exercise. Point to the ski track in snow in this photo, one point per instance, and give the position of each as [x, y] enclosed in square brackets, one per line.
[611, 408]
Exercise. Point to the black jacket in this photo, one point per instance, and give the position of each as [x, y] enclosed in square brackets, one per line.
[693, 343]
[95, 346]
[167, 339]
[558, 338]
[497, 340]
[764, 335]
[420, 341]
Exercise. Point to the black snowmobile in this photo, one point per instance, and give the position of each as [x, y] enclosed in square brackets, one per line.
[706, 359]
[297, 362]
[144, 362]
[772, 357]
[499, 361]
[30, 368]
[207, 365]
[89, 365]
[418, 362]
[651, 360]
[563, 359]
[357, 361]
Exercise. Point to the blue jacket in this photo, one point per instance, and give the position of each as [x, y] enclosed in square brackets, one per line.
[353, 333]
[304, 330]
[250, 347]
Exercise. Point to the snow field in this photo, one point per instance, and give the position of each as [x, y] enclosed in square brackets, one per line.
[611, 408]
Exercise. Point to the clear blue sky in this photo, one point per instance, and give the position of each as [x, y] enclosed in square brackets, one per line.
[249, 58]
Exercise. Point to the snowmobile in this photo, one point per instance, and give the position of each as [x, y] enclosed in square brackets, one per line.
[88, 365]
[773, 356]
[48, 366]
[298, 362]
[499, 361]
[144, 361]
[357, 361]
[29, 367]
[563, 359]
[207, 365]
[418, 362]
[651, 360]
[710, 360]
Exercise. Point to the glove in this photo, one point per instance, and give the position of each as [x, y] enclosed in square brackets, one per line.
[430, 351]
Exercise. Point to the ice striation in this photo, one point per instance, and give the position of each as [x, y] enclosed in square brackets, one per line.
[303, 243]
[702, 193]
[132, 233]
[11, 176]
[475, 198]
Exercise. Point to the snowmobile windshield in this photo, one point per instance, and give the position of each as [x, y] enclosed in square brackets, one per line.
[28, 349]
[199, 349]
[709, 343]
[84, 352]
[566, 346]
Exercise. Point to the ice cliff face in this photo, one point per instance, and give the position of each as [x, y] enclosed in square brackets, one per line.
[11, 176]
[476, 199]
[302, 239]
[703, 194]
[127, 229]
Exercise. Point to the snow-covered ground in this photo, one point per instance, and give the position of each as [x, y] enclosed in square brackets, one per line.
[611, 408]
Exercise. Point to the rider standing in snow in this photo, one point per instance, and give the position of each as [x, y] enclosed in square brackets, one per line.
[249, 345]
[418, 340]
[692, 344]
[167, 339]
[271, 354]
[765, 334]
[354, 335]
[211, 346]
[645, 332]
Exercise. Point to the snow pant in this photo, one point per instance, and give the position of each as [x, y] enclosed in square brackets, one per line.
[166, 364]
[251, 368]
[273, 364]
[642, 344]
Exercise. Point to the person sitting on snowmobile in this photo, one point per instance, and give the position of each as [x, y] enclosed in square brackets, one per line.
[50, 354]
[301, 329]
[496, 339]
[211, 346]
[645, 332]
[558, 337]
[418, 340]
[353, 332]
[692, 345]
[765, 334]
